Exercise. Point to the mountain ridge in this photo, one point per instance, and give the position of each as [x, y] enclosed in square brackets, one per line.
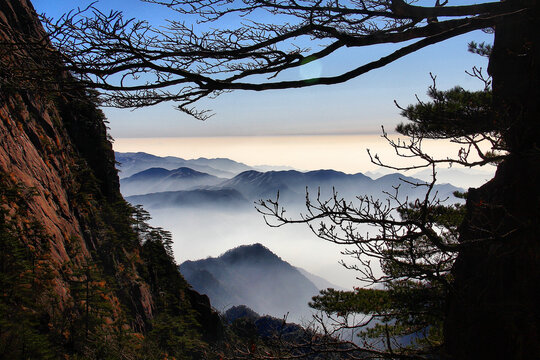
[254, 276]
[130, 163]
[160, 179]
[292, 185]
[221, 198]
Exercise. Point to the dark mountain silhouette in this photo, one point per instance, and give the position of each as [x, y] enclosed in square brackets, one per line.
[131, 163]
[254, 276]
[218, 198]
[247, 324]
[159, 179]
[254, 185]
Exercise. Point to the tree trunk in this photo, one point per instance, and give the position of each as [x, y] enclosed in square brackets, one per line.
[494, 310]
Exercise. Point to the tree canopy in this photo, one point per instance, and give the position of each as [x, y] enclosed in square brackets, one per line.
[137, 64]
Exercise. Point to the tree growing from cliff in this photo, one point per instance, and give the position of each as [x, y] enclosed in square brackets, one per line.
[25, 278]
[411, 246]
[136, 65]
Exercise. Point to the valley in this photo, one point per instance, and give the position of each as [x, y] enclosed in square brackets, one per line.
[210, 215]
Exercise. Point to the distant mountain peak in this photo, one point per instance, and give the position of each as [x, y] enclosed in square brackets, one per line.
[159, 173]
[254, 276]
[249, 254]
[255, 247]
[217, 158]
[188, 171]
[154, 171]
[326, 171]
[251, 173]
[134, 162]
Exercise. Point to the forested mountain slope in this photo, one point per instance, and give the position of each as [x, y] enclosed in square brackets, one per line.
[79, 274]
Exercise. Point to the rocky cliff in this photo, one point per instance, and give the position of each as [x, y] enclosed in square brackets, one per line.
[493, 310]
[78, 275]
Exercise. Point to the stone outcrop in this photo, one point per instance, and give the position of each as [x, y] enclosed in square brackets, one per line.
[493, 312]
[55, 146]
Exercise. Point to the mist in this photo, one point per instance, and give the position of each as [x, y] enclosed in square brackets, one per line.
[202, 232]
[209, 215]
[254, 276]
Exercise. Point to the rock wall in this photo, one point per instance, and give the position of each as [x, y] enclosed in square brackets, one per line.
[493, 310]
[51, 142]
[56, 158]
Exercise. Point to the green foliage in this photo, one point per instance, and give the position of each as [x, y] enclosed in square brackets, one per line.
[343, 303]
[140, 220]
[85, 124]
[177, 334]
[404, 309]
[91, 306]
[25, 280]
[175, 330]
[481, 49]
[90, 326]
[408, 312]
[452, 113]
[129, 250]
[245, 328]
[239, 311]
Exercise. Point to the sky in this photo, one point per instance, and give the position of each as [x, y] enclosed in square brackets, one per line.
[359, 106]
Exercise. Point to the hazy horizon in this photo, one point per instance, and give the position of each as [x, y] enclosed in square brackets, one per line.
[203, 233]
[346, 153]
[200, 233]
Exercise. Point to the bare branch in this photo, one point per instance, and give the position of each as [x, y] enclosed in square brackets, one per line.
[136, 64]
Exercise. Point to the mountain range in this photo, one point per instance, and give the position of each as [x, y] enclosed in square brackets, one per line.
[130, 163]
[198, 198]
[254, 276]
[187, 187]
[207, 213]
[150, 180]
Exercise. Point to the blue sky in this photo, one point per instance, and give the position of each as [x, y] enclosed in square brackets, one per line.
[357, 107]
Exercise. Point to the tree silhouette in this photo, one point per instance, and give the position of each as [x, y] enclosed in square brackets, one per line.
[136, 64]
[408, 252]
[492, 308]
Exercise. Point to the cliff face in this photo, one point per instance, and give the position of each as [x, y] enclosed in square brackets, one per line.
[493, 312]
[72, 265]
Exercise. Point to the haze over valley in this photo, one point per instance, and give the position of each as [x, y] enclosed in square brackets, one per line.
[209, 206]
[252, 275]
